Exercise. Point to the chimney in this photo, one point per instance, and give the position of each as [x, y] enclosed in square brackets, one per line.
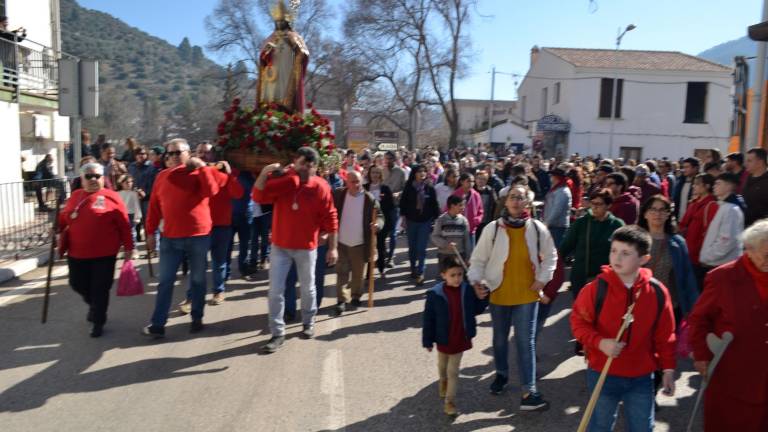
[534, 54]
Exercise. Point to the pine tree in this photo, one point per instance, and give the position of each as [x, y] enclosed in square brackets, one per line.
[185, 49]
[197, 56]
[230, 88]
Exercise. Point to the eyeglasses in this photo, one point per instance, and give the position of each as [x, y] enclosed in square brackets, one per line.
[173, 153]
[92, 176]
[658, 210]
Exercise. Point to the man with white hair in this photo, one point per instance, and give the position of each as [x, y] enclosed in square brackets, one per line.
[180, 199]
[355, 208]
[735, 299]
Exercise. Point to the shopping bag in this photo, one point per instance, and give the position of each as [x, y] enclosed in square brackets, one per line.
[130, 282]
[683, 340]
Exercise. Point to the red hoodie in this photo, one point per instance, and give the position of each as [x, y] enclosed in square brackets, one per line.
[645, 351]
[180, 198]
[221, 203]
[626, 207]
[698, 216]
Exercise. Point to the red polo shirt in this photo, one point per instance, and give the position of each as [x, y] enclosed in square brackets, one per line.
[221, 203]
[301, 210]
[180, 198]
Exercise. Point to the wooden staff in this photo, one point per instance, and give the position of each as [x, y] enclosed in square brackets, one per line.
[461, 260]
[51, 260]
[717, 346]
[599, 386]
[371, 254]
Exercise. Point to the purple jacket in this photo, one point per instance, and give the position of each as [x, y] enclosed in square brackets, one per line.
[647, 190]
[626, 207]
[474, 208]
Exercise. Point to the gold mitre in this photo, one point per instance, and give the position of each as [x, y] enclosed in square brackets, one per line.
[280, 12]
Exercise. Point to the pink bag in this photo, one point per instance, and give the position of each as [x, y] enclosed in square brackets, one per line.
[683, 340]
[130, 282]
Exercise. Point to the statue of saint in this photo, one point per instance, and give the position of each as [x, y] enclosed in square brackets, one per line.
[282, 65]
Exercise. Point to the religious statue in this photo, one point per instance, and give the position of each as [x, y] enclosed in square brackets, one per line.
[282, 65]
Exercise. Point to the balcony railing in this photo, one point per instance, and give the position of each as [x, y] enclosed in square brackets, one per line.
[28, 67]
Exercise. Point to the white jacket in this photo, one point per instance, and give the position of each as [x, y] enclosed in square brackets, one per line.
[488, 258]
[722, 243]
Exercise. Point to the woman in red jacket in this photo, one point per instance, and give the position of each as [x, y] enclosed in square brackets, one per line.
[735, 299]
[94, 224]
[697, 218]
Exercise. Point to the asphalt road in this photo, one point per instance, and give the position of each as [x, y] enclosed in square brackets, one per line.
[365, 371]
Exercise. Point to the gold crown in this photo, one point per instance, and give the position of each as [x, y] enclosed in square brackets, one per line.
[280, 12]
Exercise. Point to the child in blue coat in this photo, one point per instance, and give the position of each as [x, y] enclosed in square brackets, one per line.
[449, 322]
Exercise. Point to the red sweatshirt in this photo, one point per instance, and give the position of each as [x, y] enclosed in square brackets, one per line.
[100, 227]
[639, 357]
[221, 203]
[298, 228]
[695, 223]
[181, 199]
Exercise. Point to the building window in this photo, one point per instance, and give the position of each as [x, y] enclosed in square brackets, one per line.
[2, 8]
[556, 96]
[633, 153]
[544, 101]
[606, 97]
[696, 103]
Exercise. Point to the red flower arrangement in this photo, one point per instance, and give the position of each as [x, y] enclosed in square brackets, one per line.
[270, 131]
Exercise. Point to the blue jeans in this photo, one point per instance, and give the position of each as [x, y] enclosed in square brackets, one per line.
[220, 237]
[260, 229]
[393, 234]
[637, 395]
[523, 317]
[172, 252]
[241, 225]
[418, 238]
[280, 266]
[541, 317]
[293, 278]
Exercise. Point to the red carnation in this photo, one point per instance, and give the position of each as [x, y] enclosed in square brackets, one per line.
[236, 101]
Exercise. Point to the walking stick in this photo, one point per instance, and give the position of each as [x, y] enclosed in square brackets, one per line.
[149, 263]
[461, 260]
[370, 258]
[628, 318]
[717, 346]
[51, 259]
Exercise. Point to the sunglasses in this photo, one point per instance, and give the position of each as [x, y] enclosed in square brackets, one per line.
[173, 153]
[92, 176]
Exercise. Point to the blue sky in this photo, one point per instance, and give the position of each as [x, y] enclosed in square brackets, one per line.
[507, 30]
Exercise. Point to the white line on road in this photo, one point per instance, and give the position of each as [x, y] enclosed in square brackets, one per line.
[14, 293]
[333, 385]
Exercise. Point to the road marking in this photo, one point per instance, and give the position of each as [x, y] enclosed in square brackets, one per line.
[34, 347]
[332, 384]
[19, 291]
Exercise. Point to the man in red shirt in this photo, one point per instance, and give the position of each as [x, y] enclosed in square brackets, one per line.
[303, 206]
[180, 198]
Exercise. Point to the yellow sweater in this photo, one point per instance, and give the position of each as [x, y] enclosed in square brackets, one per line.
[518, 273]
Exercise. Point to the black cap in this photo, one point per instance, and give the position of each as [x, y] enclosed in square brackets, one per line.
[559, 172]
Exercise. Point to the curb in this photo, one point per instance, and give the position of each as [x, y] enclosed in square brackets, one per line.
[14, 269]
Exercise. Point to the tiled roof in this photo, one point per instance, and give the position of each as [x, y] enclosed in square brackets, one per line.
[637, 60]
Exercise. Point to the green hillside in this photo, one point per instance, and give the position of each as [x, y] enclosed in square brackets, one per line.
[149, 88]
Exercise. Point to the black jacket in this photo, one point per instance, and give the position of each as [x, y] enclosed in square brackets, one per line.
[387, 203]
[408, 208]
[756, 196]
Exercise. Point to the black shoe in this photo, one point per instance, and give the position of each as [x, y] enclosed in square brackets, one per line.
[153, 332]
[196, 326]
[340, 308]
[390, 265]
[274, 344]
[420, 280]
[578, 349]
[414, 274]
[498, 384]
[356, 303]
[308, 332]
[533, 403]
[97, 330]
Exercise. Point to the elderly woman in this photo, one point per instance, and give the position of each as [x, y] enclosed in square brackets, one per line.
[735, 299]
[515, 258]
[94, 223]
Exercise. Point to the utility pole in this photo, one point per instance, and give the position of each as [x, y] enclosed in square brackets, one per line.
[490, 106]
[756, 104]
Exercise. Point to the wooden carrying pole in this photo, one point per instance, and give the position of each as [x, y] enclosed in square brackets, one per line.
[51, 260]
[371, 254]
[599, 386]
[461, 260]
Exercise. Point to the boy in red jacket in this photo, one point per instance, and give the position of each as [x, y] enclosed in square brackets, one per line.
[648, 342]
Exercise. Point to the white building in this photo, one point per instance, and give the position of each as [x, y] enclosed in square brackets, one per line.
[473, 116]
[512, 134]
[30, 126]
[668, 103]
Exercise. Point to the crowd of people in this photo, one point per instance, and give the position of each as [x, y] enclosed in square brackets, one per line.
[683, 242]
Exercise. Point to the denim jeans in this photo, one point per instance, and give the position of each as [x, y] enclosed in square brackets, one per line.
[418, 238]
[523, 318]
[293, 279]
[172, 252]
[541, 317]
[638, 397]
[241, 225]
[280, 266]
[220, 236]
[260, 229]
[393, 233]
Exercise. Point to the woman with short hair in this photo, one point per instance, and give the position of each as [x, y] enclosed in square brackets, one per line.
[418, 206]
[94, 225]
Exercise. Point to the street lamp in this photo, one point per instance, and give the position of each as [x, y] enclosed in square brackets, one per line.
[614, 96]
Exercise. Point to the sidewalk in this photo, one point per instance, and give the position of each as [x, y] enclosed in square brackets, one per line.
[10, 269]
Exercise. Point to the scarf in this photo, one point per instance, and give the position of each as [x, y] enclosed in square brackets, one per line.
[514, 222]
[760, 278]
[420, 195]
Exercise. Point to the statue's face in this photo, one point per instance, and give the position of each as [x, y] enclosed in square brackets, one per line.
[282, 25]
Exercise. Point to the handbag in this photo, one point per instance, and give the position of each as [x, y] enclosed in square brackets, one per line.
[129, 283]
